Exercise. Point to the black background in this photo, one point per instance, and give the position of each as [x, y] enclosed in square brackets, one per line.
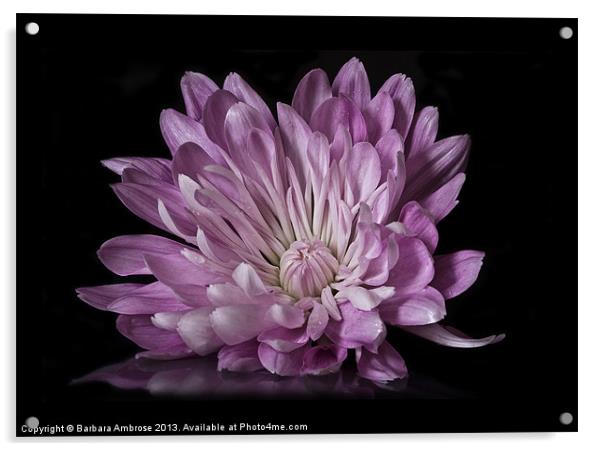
[92, 87]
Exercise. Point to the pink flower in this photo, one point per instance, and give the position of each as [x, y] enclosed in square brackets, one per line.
[305, 236]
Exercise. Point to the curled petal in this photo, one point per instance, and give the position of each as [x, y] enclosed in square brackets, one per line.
[158, 168]
[379, 116]
[152, 298]
[323, 359]
[417, 223]
[214, 115]
[436, 166]
[141, 330]
[363, 168]
[455, 273]
[424, 131]
[102, 296]
[317, 321]
[124, 255]
[424, 307]
[196, 331]
[414, 269]
[241, 89]
[289, 316]
[281, 363]
[447, 336]
[241, 357]
[356, 328]
[364, 299]
[237, 323]
[196, 89]
[440, 203]
[352, 80]
[383, 366]
[336, 112]
[401, 90]
[312, 90]
[283, 339]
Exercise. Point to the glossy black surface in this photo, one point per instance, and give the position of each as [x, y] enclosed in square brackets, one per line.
[92, 87]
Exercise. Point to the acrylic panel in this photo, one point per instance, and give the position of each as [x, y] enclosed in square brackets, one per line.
[239, 225]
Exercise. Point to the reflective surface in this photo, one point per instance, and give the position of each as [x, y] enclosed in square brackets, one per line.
[198, 378]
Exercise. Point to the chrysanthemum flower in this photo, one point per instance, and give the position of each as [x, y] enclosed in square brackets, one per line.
[307, 235]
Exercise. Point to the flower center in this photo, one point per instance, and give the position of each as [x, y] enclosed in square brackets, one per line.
[306, 268]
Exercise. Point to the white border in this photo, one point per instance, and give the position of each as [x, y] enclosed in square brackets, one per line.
[590, 225]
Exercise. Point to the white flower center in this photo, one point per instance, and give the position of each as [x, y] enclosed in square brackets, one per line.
[306, 268]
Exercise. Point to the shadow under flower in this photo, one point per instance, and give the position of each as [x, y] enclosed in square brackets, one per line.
[198, 378]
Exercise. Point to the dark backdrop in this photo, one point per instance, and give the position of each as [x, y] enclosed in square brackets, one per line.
[92, 87]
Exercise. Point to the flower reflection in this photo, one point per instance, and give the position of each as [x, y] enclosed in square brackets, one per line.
[198, 377]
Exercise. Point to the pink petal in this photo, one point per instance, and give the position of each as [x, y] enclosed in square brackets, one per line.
[241, 89]
[237, 323]
[196, 331]
[449, 337]
[240, 358]
[289, 316]
[214, 115]
[148, 299]
[383, 366]
[281, 363]
[312, 90]
[284, 340]
[336, 112]
[455, 273]
[424, 131]
[317, 321]
[352, 81]
[196, 89]
[143, 332]
[124, 255]
[442, 201]
[363, 169]
[102, 296]
[356, 328]
[417, 223]
[424, 307]
[323, 359]
[414, 269]
[401, 90]
[379, 116]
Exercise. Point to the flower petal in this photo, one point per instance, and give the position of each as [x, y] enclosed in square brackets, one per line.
[363, 168]
[241, 89]
[336, 112]
[295, 135]
[214, 115]
[442, 201]
[143, 332]
[447, 336]
[364, 299]
[352, 81]
[158, 168]
[455, 273]
[240, 120]
[196, 89]
[356, 328]
[312, 90]
[240, 358]
[414, 269]
[288, 316]
[102, 296]
[246, 278]
[424, 307]
[431, 169]
[323, 359]
[317, 321]
[379, 116]
[148, 299]
[417, 223]
[281, 363]
[142, 200]
[237, 323]
[196, 331]
[424, 131]
[283, 339]
[401, 90]
[383, 366]
[124, 255]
